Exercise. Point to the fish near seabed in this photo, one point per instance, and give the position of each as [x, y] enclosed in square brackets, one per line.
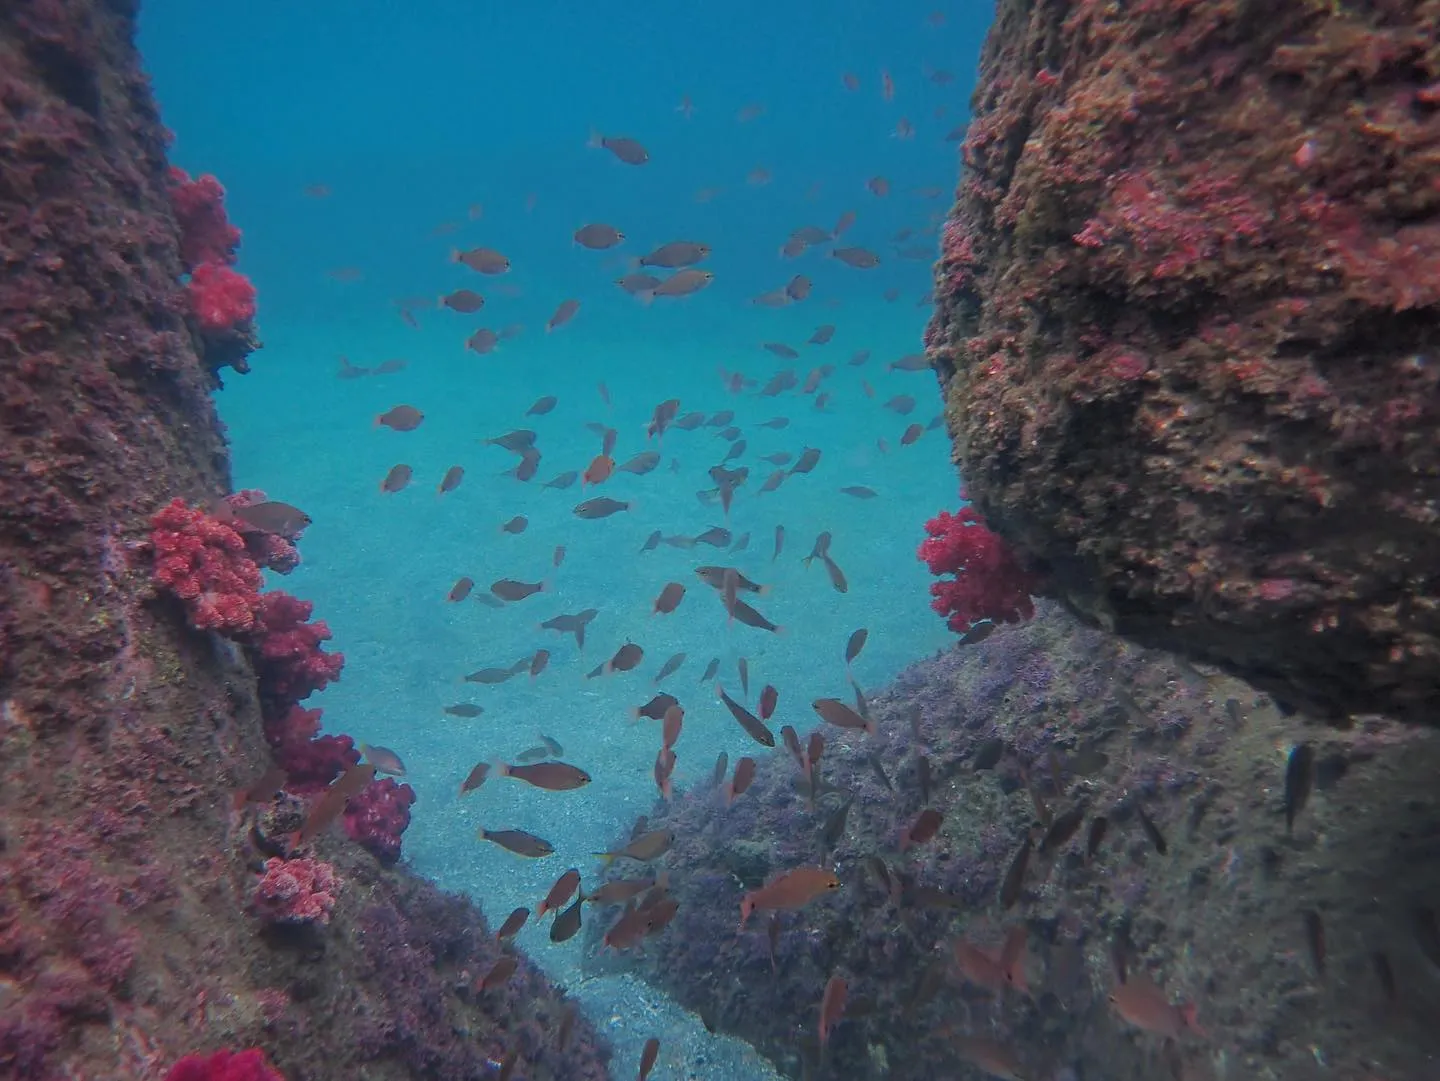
[789, 890]
[1145, 1005]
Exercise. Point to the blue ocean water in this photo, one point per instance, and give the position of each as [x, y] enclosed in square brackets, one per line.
[361, 143]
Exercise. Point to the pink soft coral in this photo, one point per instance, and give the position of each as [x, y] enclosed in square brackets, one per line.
[203, 561]
[206, 235]
[291, 662]
[221, 299]
[225, 1066]
[378, 816]
[989, 581]
[296, 891]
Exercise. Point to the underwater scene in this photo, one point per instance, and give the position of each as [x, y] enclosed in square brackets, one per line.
[857, 541]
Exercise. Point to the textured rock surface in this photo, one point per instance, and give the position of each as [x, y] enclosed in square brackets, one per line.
[1217, 919]
[125, 872]
[1188, 323]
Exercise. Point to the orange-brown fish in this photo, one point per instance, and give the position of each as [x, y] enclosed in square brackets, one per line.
[751, 618]
[648, 846]
[858, 258]
[998, 970]
[483, 341]
[878, 185]
[516, 525]
[832, 1006]
[551, 776]
[567, 924]
[398, 477]
[744, 774]
[769, 697]
[1145, 1005]
[482, 260]
[676, 254]
[499, 972]
[560, 893]
[518, 441]
[619, 890]
[563, 314]
[638, 283]
[788, 890]
[598, 236]
[624, 148]
[475, 778]
[508, 589]
[598, 471]
[513, 922]
[466, 301]
[461, 589]
[268, 516]
[383, 759]
[669, 598]
[926, 825]
[625, 659]
[640, 464]
[601, 507]
[754, 727]
[683, 283]
[648, 1055]
[518, 842]
[452, 478]
[671, 724]
[331, 802]
[833, 711]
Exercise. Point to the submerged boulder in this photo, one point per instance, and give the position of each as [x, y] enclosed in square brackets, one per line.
[1188, 327]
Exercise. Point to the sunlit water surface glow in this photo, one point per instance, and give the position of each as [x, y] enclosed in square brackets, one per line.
[412, 114]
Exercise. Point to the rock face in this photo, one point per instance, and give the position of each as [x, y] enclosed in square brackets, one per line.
[1188, 325]
[127, 933]
[1038, 733]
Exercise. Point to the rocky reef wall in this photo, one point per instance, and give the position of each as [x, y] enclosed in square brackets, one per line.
[133, 926]
[1188, 326]
[1308, 951]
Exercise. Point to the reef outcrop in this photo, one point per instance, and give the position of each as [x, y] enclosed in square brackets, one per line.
[1188, 327]
[1144, 801]
[144, 913]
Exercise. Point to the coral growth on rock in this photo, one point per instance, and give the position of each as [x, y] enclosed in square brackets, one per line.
[247, 1065]
[128, 723]
[296, 891]
[221, 299]
[1043, 724]
[987, 581]
[1188, 323]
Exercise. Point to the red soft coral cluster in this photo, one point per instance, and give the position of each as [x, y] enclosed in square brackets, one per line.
[203, 561]
[206, 563]
[378, 816]
[292, 664]
[989, 582]
[296, 891]
[206, 235]
[221, 298]
[248, 1065]
[310, 761]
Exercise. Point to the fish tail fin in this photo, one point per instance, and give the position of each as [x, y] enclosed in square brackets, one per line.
[500, 769]
[455, 255]
[605, 858]
[595, 141]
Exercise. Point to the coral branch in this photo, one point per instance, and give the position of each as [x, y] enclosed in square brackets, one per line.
[989, 582]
